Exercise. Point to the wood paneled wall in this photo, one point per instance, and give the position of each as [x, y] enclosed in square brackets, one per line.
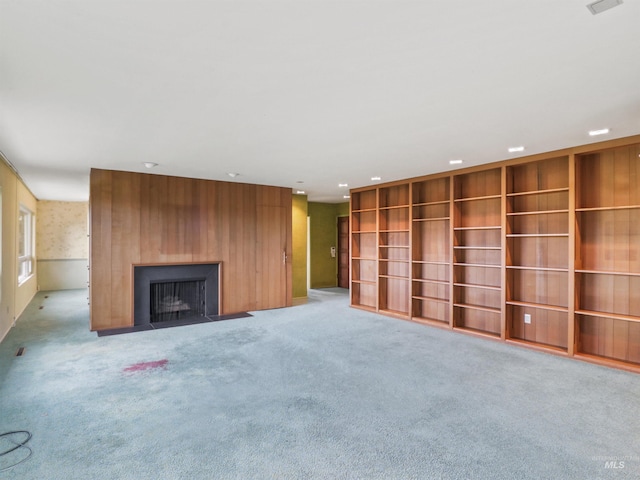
[142, 219]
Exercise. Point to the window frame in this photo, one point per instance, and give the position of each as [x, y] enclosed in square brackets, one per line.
[26, 244]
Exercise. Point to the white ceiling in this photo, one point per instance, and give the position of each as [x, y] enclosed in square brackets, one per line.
[314, 91]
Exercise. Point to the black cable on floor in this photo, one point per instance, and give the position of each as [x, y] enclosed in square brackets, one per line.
[18, 445]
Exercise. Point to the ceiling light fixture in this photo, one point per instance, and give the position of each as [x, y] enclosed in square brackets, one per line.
[602, 131]
[455, 162]
[346, 196]
[602, 5]
[150, 164]
[299, 192]
[233, 175]
[516, 149]
[376, 179]
[343, 184]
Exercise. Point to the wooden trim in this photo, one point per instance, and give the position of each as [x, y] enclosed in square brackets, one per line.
[571, 288]
[504, 328]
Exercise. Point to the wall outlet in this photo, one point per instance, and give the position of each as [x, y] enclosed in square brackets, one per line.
[527, 318]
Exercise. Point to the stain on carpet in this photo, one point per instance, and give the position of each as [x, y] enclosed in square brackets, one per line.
[142, 366]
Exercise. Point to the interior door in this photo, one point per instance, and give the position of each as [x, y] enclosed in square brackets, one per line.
[274, 268]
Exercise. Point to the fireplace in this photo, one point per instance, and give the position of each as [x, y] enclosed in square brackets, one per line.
[174, 294]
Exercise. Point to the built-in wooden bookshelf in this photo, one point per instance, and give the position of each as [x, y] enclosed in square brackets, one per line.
[431, 251]
[537, 253]
[608, 254]
[541, 251]
[364, 249]
[394, 246]
[477, 233]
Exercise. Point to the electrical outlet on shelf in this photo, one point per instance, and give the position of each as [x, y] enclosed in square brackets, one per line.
[527, 318]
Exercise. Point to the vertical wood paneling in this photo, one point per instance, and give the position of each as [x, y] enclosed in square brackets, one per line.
[155, 219]
[100, 273]
[125, 238]
[274, 258]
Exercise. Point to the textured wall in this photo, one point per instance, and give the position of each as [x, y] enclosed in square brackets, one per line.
[61, 230]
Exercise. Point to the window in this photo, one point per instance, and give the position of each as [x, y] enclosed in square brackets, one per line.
[25, 244]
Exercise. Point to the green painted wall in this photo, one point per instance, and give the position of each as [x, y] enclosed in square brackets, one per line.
[299, 245]
[343, 209]
[324, 235]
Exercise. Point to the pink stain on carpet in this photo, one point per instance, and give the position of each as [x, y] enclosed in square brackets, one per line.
[139, 367]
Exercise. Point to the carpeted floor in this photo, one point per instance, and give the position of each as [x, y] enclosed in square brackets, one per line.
[318, 391]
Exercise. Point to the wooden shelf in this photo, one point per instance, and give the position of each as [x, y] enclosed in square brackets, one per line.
[474, 199]
[616, 316]
[364, 210]
[480, 265]
[426, 280]
[536, 235]
[472, 247]
[434, 219]
[538, 192]
[363, 282]
[604, 209]
[489, 227]
[394, 207]
[393, 246]
[431, 299]
[426, 262]
[394, 313]
[472, 285]
[538, 305]
[395, 231]
[537, 212]
[541, 269]
[428, 204]
[607, 272]
[477, 307]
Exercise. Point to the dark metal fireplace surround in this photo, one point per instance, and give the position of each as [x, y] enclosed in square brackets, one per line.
[170, 295]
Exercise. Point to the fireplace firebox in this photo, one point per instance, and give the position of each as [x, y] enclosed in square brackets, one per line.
[175, 293]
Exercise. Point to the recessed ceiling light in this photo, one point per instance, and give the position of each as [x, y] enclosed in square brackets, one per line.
[299, 192]
[516, 149]
[602, 5]
[233, 175]
[343, 184]
[376, 179]
[602, 131]
[299, 181]
[346, 196]
[455, 162]
[150, 164]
